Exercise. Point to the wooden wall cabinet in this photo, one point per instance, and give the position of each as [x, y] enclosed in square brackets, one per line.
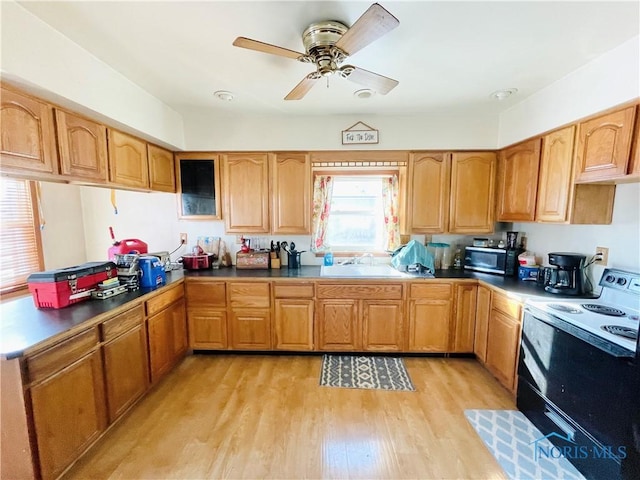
[291, 193]
[246, 192]
[198, 183]
[162, 177]
[250, 315]
[294, 310]
[67, 424]
[207, 314]
[82, 147]
[483, 310]
[128, 161]
[428, 192]
[472, 192]
[465, 318]
[430, 325]
[518, 182]
[27, 133]
[604, 145]
[126, 363]
[503, 339]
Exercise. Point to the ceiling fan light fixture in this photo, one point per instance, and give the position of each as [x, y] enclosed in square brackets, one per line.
[364, 93]
[503, 94]
[224, 95]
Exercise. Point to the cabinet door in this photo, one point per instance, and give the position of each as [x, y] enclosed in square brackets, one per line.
[555, 185]
[291, 197]
[26, 128]
[69, 413]
[465, 318]
[382, 326]
[337, 328]
[472, 192]
[428, 197]
[483, 308]
[246, 192]
[634, 163]
[207, 328]
[126, 370]
[128, 164]
[250, 329]
[162, 172]
[503, 341]
[429, 325]
[518, 182]
[167, 339]
[293, 324]
[82, 145]
[603, 146]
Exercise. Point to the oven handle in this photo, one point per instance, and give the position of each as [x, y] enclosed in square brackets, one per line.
[559, 422]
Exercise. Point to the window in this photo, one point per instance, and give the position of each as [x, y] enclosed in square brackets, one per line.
[20, 243]
[355, 213]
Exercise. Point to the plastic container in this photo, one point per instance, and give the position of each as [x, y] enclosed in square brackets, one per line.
[528, 273]
[437, 250]
[128, 245]
[151, 272]
[328, 259]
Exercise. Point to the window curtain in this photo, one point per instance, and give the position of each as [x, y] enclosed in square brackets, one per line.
[322, 191]
[390, 205]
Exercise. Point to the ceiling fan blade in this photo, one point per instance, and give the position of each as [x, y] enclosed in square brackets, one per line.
[373, 24]
[266, 48]
[379, 83]
[303, 87]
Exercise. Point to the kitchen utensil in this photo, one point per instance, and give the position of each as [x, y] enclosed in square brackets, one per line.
[292, 247]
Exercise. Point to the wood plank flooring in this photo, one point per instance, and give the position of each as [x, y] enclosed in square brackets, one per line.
[253, 416]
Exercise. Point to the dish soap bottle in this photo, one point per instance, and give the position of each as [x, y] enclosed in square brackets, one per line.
[328, 258]
[457, 258]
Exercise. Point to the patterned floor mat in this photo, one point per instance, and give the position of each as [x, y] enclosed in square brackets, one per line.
[351, 371]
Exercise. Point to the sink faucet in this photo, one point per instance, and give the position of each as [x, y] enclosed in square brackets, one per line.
[361, 258]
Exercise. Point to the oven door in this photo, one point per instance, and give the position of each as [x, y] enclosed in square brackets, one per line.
[581, 391]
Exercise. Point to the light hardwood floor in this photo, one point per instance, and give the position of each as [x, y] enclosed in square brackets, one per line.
[252, 416]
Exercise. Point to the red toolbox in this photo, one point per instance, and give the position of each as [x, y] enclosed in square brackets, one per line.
[66, 286]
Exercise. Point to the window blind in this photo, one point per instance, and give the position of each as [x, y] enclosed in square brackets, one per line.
[20, 244]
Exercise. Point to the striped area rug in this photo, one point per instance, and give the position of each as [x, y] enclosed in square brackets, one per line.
[351, 371]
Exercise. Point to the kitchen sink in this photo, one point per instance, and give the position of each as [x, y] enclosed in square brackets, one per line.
[360, 271]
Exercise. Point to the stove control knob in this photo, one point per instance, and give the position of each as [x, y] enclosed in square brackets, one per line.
[622, 281]
[609, 279]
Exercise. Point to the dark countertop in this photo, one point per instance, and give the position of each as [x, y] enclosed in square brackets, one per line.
[23, 326]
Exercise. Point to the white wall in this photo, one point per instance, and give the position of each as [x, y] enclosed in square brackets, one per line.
[209, 131]
[45, 62]
[606, 81]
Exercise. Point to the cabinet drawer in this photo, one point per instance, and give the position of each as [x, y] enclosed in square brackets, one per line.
[442, 291]
[206, 294]
[163, 300]
[293, 290]
[364, 292]
[56, 358]
[506, 305]
[125, 321]
[249, 295]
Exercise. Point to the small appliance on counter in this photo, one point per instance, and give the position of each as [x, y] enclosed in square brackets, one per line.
[199, 260]
[501, 261]
[567, 278]
[152, 272]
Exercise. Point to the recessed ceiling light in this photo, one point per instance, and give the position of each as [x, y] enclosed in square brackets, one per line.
[502, 94]
[224, 95]
[364, 93]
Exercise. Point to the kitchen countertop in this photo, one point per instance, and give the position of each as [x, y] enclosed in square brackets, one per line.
[23, 326]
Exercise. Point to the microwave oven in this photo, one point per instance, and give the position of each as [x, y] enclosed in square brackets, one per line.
[492, 260]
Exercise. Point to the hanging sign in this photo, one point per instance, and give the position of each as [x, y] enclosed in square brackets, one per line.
[363, 134]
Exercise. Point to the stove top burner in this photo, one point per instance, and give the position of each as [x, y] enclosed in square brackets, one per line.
[564, 308]
[603, 309]
[625, 332]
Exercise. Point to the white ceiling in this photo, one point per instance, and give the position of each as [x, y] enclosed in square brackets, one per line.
[448, 56]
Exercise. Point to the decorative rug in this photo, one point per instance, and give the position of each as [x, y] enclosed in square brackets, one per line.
[520, 448]
[351, 371]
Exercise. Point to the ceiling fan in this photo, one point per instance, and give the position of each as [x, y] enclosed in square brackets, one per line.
[327, 45]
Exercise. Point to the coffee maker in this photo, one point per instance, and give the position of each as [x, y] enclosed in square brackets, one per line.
[567, 276]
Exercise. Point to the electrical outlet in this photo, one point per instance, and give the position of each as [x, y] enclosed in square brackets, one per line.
[604, 256]
[183, 239]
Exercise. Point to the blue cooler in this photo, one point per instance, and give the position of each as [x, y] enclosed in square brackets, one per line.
[151, 272]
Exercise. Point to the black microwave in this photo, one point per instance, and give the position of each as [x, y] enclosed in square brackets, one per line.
[492, 260]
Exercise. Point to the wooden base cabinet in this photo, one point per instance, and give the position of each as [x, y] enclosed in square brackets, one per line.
[465, 318]
[250, 315]
[382, 325]
[338, 327]
[207, 314]
[483, 310]
[293, 324]
[167, 332]
[503, 339]
[430, 317]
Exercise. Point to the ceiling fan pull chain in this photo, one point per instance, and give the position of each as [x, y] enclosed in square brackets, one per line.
[327, 81]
